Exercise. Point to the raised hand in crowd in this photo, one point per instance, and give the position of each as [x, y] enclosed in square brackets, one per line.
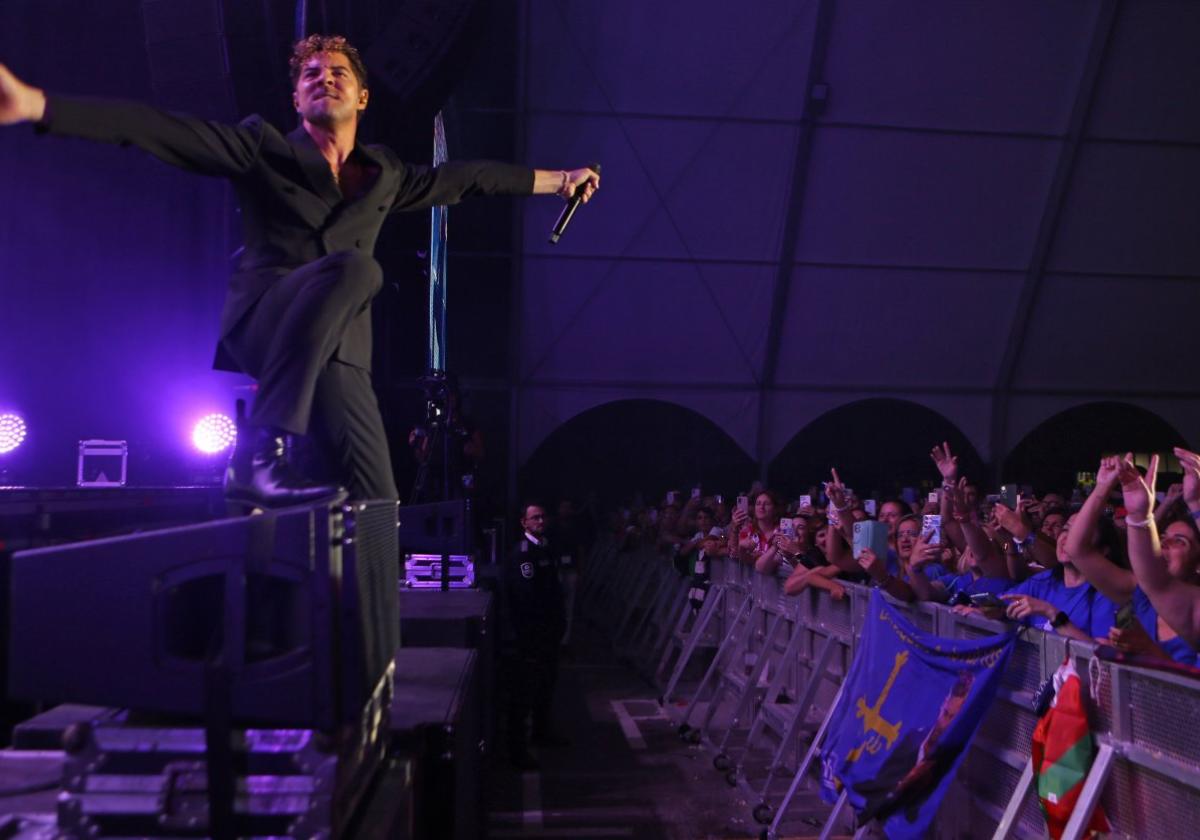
[1137, 492]
[1026, 542]
[962, 509]
[1079, 545]
[1190, 463]
[741, 547]
[1175, 597]
[923, 553]
[740, 517]
[1016, 523]
[788, 546]
[874, 566]
[1035, 509]
[842, 502]
[839, 536]
[1169, 506]
[987, 553]
[994, 530]
[947, 466]
[1030, 510]
[947, 463]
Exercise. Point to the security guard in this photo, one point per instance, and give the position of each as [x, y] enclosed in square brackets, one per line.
[535, 607]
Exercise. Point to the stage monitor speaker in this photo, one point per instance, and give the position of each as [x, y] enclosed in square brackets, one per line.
[437, 528]
[297, 608]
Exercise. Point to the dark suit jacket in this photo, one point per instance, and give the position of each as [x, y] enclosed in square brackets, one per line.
[292, 210]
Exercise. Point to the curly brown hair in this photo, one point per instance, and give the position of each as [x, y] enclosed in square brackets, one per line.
[305, 49]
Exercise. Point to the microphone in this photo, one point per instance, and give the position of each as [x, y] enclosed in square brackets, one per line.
[564, 218]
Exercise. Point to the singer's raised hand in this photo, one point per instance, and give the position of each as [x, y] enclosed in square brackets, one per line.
[18, 101]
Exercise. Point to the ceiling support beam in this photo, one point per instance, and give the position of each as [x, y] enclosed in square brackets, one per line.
[814, 103]
[1048, 229]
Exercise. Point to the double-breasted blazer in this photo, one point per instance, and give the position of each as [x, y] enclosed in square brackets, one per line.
[292, 209]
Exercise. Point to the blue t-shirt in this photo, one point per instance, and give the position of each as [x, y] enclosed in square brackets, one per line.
[971, 585]
[1178, 648]
[1104, 616]
[933, 571]
[1075, 601]
[893, 562]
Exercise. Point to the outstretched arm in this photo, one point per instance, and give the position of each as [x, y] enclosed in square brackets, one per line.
[208, 148]
[563, 183]
[422, 187]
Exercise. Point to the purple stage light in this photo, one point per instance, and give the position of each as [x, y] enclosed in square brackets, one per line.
[214, 433]
[12, 432]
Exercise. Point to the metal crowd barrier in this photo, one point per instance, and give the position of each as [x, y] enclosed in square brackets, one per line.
[777, 663]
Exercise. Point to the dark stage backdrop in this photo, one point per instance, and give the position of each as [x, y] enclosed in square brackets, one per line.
[112, 264]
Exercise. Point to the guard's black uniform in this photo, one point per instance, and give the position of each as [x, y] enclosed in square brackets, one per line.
[535, 607]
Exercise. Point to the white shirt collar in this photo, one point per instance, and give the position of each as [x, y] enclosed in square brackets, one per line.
[532, 538]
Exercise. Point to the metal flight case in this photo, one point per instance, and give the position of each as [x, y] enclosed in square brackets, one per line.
[256, 655]
[125, 779]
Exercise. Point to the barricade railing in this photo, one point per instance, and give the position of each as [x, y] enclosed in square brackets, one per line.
[799, 649]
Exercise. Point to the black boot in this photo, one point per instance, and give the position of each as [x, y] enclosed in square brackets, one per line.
[259, 474]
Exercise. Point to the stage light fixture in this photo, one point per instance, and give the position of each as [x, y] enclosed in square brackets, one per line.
[12, 431]
[214, 433]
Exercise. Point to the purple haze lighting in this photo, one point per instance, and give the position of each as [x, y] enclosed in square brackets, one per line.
[12, 432]
[214, 433]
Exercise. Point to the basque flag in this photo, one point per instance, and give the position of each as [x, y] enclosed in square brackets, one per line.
[908, 709]
[1062, 755]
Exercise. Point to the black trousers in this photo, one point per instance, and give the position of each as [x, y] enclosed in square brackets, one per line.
[287, 342]
[532, 690]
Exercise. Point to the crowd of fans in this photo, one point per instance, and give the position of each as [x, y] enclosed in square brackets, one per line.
[1119, 565]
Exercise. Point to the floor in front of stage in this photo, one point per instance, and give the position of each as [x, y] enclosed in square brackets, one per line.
[626, 772]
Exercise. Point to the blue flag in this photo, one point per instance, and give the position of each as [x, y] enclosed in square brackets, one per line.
[908, 709]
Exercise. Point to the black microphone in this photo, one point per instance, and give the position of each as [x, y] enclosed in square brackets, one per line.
[564, 218]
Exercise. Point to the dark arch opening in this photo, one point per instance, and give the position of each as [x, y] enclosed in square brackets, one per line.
[618, 449]
[1074, 440]
[877, 445]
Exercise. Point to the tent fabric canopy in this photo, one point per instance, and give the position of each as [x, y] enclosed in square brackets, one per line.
[993, 217]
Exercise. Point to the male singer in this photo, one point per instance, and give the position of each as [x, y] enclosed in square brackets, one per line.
[297, 315]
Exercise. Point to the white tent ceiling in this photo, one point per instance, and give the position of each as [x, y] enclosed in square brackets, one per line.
[993, 214]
